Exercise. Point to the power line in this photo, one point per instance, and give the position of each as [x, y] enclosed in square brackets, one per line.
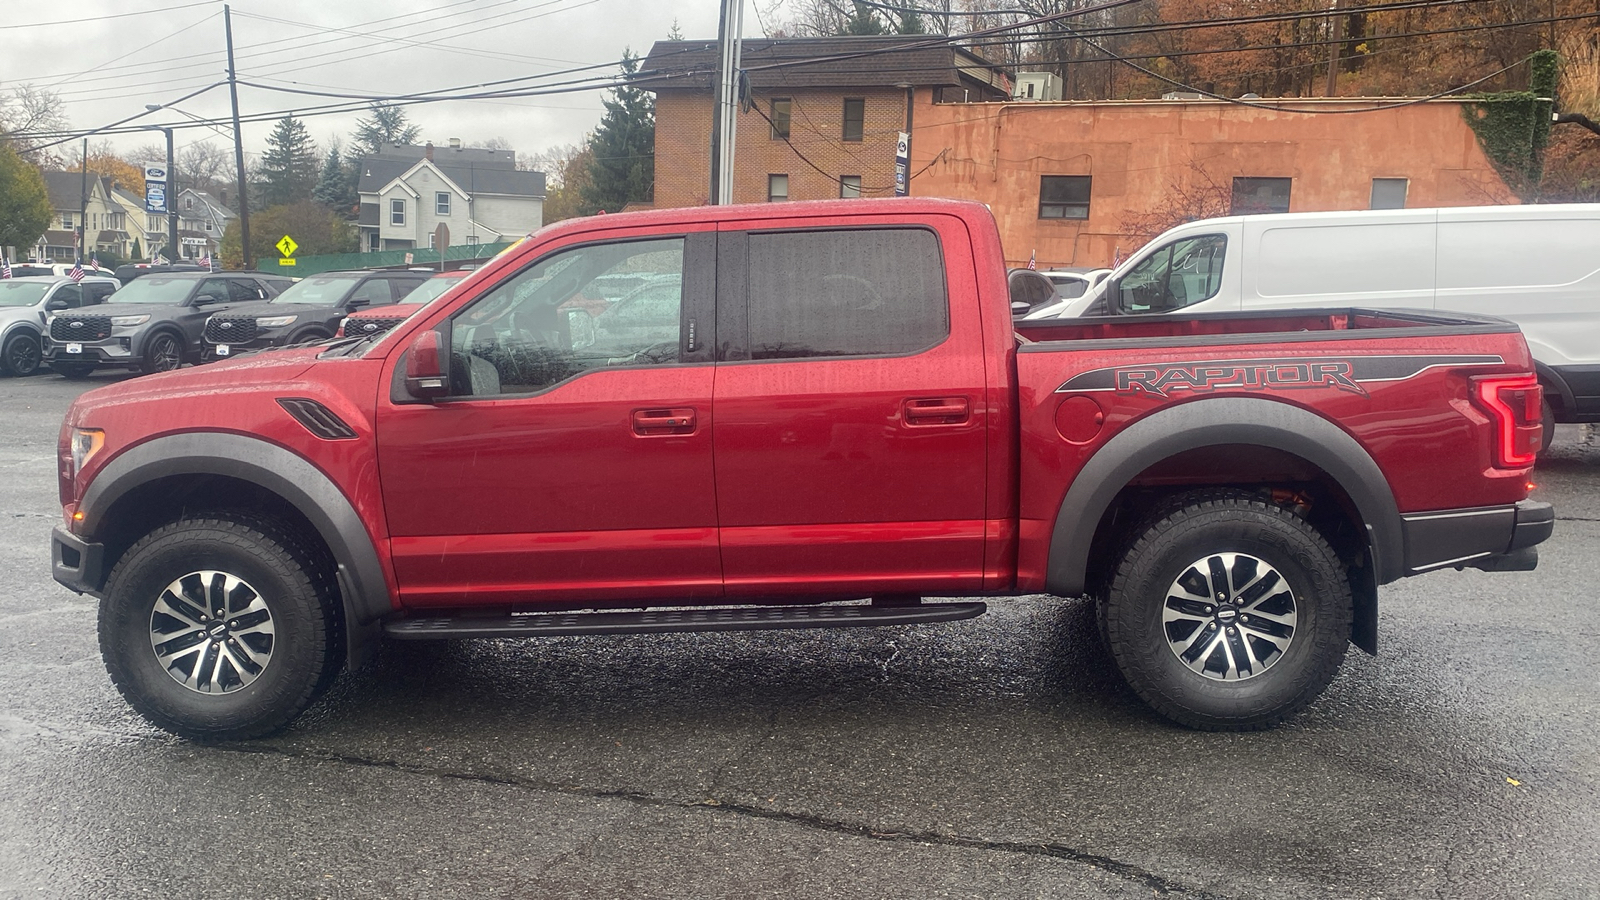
[80, 21]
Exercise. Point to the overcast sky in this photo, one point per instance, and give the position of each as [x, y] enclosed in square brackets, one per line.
[108, 58]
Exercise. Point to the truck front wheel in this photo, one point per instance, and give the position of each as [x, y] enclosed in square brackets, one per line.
[1228, 613]
[219, 628]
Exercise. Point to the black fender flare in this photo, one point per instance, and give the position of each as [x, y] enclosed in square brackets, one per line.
[14, 327]
[1212, 422]
[1552, 379]
[281, 471]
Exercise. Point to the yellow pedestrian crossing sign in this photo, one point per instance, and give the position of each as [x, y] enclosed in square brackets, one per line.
[287, 246]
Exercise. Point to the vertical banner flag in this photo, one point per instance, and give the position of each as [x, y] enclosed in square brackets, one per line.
[155, 189]
[902, 165]
[5, 267]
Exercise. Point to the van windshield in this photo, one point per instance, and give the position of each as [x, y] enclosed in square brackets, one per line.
[1180, 274]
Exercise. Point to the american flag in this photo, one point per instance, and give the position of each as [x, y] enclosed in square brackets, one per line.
[77, 270]
[5, 267]
[94, 263]
[205, 262]
[1033, 262]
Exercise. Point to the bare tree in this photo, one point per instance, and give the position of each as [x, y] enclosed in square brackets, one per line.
[204, 165]
[27, 111]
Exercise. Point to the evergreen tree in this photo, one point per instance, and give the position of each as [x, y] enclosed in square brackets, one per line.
[333, 188]
[137, 254]
[911, 22]
[864, 21]
[386, 125]
[623, 165]
[289, 167]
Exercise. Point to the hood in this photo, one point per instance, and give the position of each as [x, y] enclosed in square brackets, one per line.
[404, 310]
[256, 308]
[246, 373]
[9, 314]
[154, 310]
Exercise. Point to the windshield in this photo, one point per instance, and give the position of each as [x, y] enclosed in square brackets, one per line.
[22, 293]
[430, 289]
[319, 290]
[154, 289]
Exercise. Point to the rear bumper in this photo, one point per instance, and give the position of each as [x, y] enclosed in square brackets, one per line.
[75, 562]
[1493, 538]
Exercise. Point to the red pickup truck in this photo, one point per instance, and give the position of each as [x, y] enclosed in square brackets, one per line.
[794, 416]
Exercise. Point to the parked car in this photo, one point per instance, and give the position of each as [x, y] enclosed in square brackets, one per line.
[30, 269]
[1030, 290]
[1534, 264]
[376, 320]
[131, 271]
[1073, 283]
[309, 311]
[25, 304]
[152, 324]
[1231, 489]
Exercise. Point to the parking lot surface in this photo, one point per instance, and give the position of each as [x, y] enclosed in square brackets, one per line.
[1000, 757]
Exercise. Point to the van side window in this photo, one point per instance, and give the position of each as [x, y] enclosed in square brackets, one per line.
[1180, 274]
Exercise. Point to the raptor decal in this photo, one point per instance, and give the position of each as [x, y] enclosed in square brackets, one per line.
[1285, 373]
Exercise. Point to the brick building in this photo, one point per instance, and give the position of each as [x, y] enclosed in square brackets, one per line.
[824, 113]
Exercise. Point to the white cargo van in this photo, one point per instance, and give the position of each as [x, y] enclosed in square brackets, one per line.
[1537, 265]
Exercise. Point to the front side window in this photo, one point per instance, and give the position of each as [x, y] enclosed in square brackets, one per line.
[1260, 195]
[1064, 196]
[855, 119]
[1180, 274]
[552, 321]
[777, 188]
[242, 289]
[849, 186]
[72, 293]
[857, 292]
[441, 203]
[780, 118]
[397, 212]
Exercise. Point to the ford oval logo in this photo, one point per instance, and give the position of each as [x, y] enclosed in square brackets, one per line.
[75, 325]
[370, 326]
[224, 324]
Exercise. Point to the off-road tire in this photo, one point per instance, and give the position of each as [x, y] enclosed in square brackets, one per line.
[1206, 535]
[292, 579]
[21, 354]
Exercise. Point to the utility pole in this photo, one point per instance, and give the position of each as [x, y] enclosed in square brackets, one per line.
[728, 99]
[172, 201]
[1336, 32]
[238, 140]
[83, 207]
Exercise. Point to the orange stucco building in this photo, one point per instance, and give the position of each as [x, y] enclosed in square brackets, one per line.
[1070, 183]
[1138, 155]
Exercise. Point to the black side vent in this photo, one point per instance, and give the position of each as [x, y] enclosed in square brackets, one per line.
[318, 419]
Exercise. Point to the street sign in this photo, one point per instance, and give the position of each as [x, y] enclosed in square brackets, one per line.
[902, 165]
[286, 261]
[155, 197]
[287, 246]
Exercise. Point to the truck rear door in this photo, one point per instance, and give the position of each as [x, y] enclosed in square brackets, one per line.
[851, 423]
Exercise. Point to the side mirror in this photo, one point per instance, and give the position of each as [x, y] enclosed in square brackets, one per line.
[58, 304]
[1018, 307]
[358, 302]
[580, 328]
[426, 378]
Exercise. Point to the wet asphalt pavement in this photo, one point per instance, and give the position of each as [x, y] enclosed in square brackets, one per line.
[1000, 757]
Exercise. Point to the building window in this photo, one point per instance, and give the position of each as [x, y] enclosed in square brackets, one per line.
[152, 223]
[372, 242]
[431, 236]
[780, 118]
[1388, 193]
[855, 117]
[66, 220]
[188, 203]
[777, 188]
[397, 212]
[441, 203]
[208, 226]
[472, 239]
[1260, 195]
[1064, 196]
[849, 185]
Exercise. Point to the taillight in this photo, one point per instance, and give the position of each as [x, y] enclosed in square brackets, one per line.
[1515, 405]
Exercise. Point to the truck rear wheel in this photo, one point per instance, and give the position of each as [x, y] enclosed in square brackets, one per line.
[220, 628]
[1228, 613]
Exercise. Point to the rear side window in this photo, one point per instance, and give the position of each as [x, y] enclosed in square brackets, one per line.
[94, 293]
[860, 292]
[374, 292]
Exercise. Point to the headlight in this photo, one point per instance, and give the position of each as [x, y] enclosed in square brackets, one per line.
[126, 321]
[275, 321]
[86, 442]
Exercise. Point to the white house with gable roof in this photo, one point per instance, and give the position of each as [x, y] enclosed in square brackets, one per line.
[408, 191]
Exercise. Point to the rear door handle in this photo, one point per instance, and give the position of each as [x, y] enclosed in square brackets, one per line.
[660, 422]
[937, 411]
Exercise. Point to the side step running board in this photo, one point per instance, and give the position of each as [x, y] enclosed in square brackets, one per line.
[663, 620]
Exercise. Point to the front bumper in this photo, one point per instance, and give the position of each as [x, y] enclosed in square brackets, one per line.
[1493, 538]
[113, 351]
[75, 562]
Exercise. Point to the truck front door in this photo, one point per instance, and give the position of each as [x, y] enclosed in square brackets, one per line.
[572, 460]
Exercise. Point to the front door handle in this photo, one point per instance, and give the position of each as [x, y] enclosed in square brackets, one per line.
[937, 411]
[660, 422]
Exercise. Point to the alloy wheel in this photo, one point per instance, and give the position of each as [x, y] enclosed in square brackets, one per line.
[1229, 616]
[212, 632]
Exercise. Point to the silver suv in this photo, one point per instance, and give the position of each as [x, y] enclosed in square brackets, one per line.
[26, 302]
